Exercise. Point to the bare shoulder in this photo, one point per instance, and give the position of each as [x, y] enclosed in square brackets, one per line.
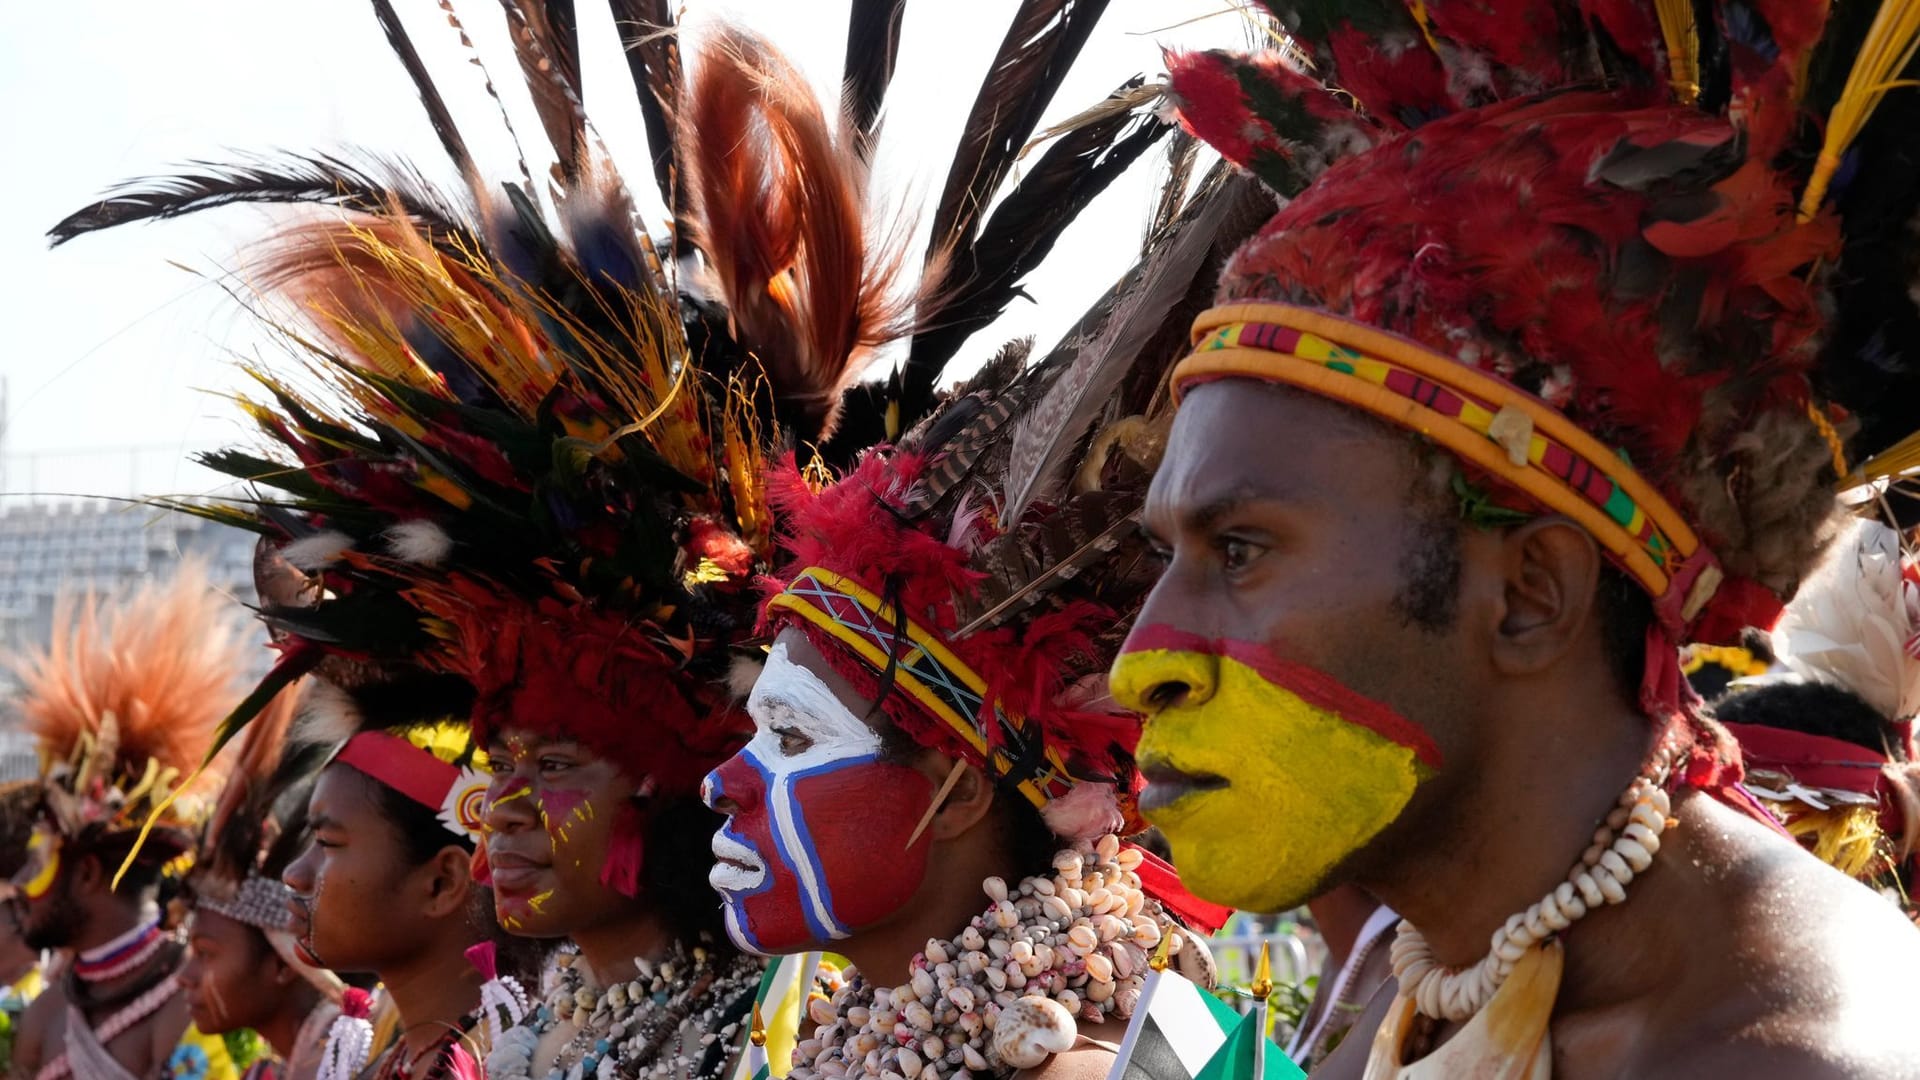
[166, 1027]
[1807, 974]
[1802, 1058]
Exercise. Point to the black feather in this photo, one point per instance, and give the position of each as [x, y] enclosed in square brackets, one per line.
[437, 112]
[321, 179]
[873, 46]
[650, 40]
[986, 274]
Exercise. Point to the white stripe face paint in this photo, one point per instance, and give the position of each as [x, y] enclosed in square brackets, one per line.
[815, 845]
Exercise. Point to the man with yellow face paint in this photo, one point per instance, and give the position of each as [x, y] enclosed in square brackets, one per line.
[124, 704]
[1493, 416]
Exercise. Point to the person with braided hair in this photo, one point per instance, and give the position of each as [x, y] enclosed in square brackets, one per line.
[1544, 369]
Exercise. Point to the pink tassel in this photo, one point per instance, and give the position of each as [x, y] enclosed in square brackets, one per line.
[484, 960]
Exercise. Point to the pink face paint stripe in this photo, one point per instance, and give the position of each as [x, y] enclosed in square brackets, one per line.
[1315, 687]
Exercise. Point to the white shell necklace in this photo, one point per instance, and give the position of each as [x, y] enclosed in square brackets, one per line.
[1622, 847]
[1004, 994]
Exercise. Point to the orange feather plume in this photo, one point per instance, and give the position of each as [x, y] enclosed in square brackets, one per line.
[812, 285]
[129, 694]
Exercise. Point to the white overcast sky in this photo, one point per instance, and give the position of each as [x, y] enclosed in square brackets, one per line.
[109, 345]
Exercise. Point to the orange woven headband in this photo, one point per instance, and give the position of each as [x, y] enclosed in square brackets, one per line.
[1506, 432]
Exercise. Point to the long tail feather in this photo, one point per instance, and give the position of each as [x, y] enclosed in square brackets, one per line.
[1040, 45]
[546, 42]
[873, 46]
[1043, 442]
[651, 42]
[319, 179]
[437, 112]
[1019, 235]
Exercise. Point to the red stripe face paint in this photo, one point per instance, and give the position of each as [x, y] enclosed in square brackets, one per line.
[1264, 773]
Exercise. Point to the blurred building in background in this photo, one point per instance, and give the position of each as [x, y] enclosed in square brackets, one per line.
[102, 542]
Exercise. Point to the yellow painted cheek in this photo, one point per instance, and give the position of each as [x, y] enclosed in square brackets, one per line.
[1305, 790]
[47, 851]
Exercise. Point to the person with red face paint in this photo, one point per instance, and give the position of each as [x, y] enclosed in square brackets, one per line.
[124, 702]
[1523, 389]
[938, 784]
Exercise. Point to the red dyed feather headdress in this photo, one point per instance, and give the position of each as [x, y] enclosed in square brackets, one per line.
[977, 579]
[1630, 266]
[520, 448]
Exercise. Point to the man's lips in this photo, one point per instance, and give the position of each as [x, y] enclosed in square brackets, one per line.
[514, 872]
[736, 867]
[1167, 785]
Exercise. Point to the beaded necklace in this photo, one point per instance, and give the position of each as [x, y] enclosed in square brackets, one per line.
[626, 1030]
[122, 955]
[1006, 993]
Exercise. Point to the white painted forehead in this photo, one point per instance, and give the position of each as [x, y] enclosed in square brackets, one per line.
[789, 695]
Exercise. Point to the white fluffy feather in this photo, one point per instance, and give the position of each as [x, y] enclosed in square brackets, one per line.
[421, 542]
[328, 715]
[317, 552]
[1852, 621]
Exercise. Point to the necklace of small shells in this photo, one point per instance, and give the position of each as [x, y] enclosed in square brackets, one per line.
[627, 1028]
[1622, 847]
[1003, 995]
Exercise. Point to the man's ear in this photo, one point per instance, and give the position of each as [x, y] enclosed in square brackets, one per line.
[89, 873]
[969, 794]
[1552, 572]
[450, 877]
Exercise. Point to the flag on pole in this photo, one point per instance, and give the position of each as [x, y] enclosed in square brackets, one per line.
[1179, 1030]
[778, 1010]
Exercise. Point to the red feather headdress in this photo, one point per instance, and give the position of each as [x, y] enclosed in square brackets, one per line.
[1631, 269]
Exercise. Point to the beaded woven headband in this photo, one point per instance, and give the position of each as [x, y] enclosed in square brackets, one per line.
[258, 902]
[936, 679]
[1495, 426]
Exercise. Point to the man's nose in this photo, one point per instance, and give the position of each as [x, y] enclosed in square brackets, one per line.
[1153, 674]
[510, 806]
[728, 788]
[298, 875]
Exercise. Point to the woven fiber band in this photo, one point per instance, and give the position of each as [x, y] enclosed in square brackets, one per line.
[258, 902]
[938, 681]
[1498, 428]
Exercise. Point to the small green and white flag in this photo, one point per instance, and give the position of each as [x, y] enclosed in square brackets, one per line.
[1181, 1032]
[778, 1011]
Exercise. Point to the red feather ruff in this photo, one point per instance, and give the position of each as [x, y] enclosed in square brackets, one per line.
[853, 528]
[1497, 237]
[570, 670]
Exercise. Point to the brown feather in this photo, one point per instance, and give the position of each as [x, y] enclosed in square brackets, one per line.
[778, 207]
[546, 43]
[1045, 438]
